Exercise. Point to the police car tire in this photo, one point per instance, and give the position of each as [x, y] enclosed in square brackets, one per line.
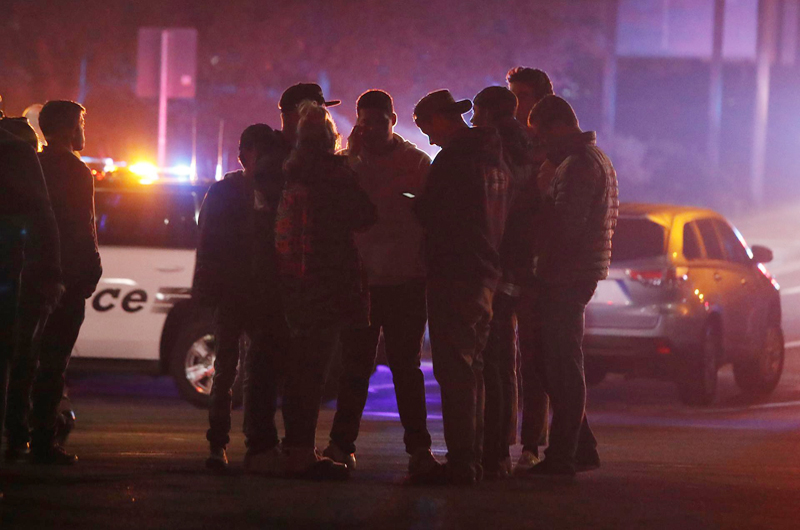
[191, 332]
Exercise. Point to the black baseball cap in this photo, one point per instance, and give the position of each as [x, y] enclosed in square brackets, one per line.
[296, 94]
[440, 101]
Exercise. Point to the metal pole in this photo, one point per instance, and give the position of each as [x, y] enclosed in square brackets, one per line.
[610, 69]
[767, 31]
[193, 170]
[218, 173]
[716, 87]
[163, 100]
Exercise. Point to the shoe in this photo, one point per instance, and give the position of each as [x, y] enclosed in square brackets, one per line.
[549, 467]
[526, 461]
[587, 462]
[269, 462]
[337, 455]
[308, 464]
[54, 455]
[422, 462]
[497, 470]
[17, 453]
[217, 460]
[462, 474]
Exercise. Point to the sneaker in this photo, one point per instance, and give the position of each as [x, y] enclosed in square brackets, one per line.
[498, 470]
[54, 455]
[217, 460]
[588, 462]
[421, 463]
[65, 423]
[17, 453]
[337, 455]
[307, 464]
[526, 462]
[549, 467]
[270, 462]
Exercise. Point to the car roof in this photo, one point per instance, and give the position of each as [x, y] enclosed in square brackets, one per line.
[664, 214]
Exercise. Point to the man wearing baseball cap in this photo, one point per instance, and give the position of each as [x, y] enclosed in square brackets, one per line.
[463, 210]
[291, 99]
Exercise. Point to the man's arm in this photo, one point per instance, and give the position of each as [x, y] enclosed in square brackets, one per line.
[209, 267]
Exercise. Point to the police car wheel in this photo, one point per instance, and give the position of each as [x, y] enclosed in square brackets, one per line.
[192, 365]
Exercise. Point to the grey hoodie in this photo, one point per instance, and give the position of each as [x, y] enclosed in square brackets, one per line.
[392, 248]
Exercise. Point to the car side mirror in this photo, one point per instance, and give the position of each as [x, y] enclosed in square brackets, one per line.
[761, 254]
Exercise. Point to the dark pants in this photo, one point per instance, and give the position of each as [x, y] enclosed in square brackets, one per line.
[401, 312]
[500, 381]
[262, 377]
[535, 403]
[560, 366]
[9, 290]
[310, 354]
[458, 318]
[38, 374]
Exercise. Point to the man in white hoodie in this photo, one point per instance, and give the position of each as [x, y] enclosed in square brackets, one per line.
[392, 171]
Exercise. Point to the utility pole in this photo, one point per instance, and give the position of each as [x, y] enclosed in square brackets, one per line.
[163, 100]
[610, 68]
[716, 88]
[765, 54]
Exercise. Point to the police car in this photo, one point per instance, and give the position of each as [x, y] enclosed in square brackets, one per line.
[142, 310]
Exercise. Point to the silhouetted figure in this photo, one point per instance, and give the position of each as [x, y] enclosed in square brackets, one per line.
[236, 277]
[30, 267]
[581, 208]
[322, 278]
[494, 107]
[390, 170]
[463, 211]
[530, 85]
[71, 189]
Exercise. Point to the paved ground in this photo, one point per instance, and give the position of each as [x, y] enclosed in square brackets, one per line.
[733, 465]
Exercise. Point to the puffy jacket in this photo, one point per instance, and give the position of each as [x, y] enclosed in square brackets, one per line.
[71, 189]
[581, 208]
[463, 208]
[323, 282]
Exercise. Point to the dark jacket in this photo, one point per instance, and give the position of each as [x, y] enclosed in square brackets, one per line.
[463, 209]
[223, 268]
[323, 282]
[30, 239]
[71, 188]
[581, 206]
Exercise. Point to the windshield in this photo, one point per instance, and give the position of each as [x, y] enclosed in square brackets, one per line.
[637, 238]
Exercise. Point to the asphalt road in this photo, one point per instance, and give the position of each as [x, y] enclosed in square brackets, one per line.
[732, 465]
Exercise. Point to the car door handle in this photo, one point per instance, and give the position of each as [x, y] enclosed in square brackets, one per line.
[170, 269]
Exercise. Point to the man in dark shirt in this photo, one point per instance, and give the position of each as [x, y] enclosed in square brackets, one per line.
[463, 211]
[71, 189]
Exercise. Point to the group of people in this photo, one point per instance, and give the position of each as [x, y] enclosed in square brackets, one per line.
[496, 245]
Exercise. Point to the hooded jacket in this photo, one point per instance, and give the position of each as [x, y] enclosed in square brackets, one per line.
[463, 208]
[71, 189]
[392, 248]
[581, 208]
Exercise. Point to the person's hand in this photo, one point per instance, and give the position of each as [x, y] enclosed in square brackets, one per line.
[51, 293]
[355, 142]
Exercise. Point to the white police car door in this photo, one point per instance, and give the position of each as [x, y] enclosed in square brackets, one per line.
[147, 238]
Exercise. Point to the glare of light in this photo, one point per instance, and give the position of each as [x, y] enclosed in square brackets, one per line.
[701, 297]
[697, 291]
[147, 171]
[109, 165]
[218, 172]
[119, 281]
[182, 171]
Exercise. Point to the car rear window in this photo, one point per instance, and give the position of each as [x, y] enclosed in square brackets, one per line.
[637, 238]
[146, 219]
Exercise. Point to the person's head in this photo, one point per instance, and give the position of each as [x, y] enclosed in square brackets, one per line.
[376, 118]
[316, 130]
[493, 105]
[439, 116]
[62, 123]
[553, 118]
[290, 102]
[529, 85]
[257, 141]
[20, 128]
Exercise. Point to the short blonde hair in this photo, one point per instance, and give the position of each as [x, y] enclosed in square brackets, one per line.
[316, 130]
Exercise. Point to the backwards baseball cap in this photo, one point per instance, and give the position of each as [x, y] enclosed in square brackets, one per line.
[375, 99]
[440, 101]
[296, 94]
